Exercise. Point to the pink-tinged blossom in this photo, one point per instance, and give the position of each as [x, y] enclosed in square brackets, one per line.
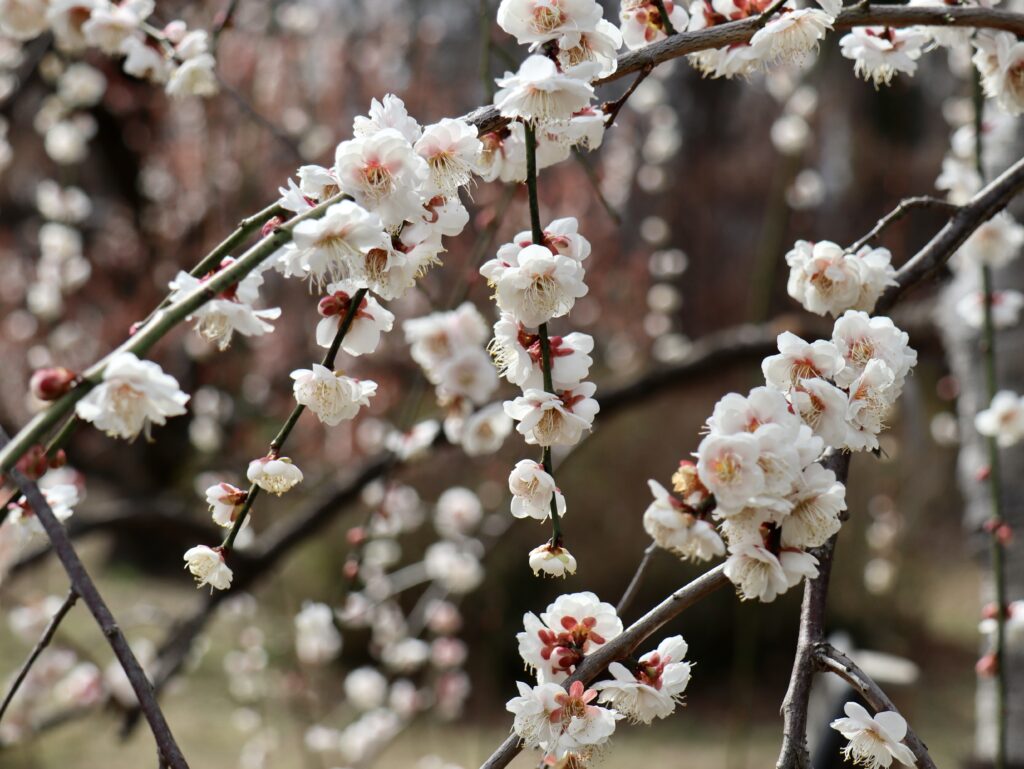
[540, 286]
[1003, 419]
[334, 246]
[759, 574]
[450, 149]
[225, 503]
[575, 625]
[560, 721]
[332, 396]
[879, 53]
[539, 93]
[674, 527]
[384, 174]
[369, 321]
[798, 360]
[547, 419]
[652, 687]
[132, 395]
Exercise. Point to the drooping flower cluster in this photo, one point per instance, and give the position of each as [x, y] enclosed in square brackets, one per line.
[535, 283]
[879, 53]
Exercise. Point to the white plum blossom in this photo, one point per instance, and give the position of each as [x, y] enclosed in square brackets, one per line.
[485, 430]
[818, 501]
[110, 24]
[390, 112]
[230, 311]
[570, 361]
[547, 419]
[366, 688]
[458, 512]
[132, 395]
[995, 243]
[383, 173]
[208, 567]
[860, 339]
[469, 374]
[225, 503]
[1006, 307]
[539, 93]
[23, 19]
[824, 408]
[652, 687]
[532, 489]
[332, 396]
[573, 626]
[641, 21]
[539, 21]
[330, 248]
[728, 466]
[552, 560]
[597, 46]
[317, 640]
[1003, 419]
[826, 279]
[873, 741]
[760, 574]
[799, 360]
[675, 528]
[511, 349]
[1000, 61]
[194, 77]
[559, 721]
[879, 53]
[453, 566]
[275, 475]
[540, 286]
[451, 149]
[792, 34]
[368, 322]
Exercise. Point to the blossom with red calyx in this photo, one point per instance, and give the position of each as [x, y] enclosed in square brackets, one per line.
[575, 625]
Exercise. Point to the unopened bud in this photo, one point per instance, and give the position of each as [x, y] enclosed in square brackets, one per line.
[356, 535]
[33, 463]
[48, 384]
[270, 226]
[335, 304]
[987, 666]
[982, 473]
[58, 460]
[350, 570]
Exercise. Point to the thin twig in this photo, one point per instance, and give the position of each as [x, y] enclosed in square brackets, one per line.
[634, 583]
[82, 584]
[44, 641]
[832, 660]
[612, 109]
[904, 207]
[666, 22]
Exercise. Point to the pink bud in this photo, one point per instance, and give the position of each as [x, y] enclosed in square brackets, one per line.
[270, 226]
[987, 666]
[48, 384]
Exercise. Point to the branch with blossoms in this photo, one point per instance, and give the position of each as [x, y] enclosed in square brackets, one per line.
[767, 491]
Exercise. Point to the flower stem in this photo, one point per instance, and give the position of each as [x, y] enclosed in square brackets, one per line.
[542, 330]
[289, 424]
[997, 555]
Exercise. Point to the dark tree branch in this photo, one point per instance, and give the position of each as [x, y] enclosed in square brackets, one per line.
[812, 632]
[830, 659]
[83, 585]
[989, 201]
[634, 584]
[44, 641]
[904, 207]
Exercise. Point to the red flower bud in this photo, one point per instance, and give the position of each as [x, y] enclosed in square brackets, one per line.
[48, 384]
[270, 226]
[983, 473]
[33, 463]
[59, 459]
[356, 535]
[987, 666]
[350, 570]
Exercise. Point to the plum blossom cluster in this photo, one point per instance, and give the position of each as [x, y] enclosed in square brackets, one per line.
[175, 56]
[789, 36]
[450, 347]
[20, 529]
[759, 489]
[388, 202]
[562, 721]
